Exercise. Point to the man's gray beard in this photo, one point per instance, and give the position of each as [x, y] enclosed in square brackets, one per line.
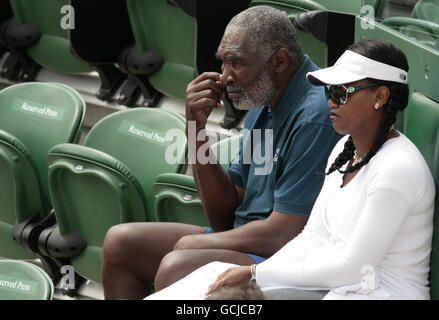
[260, 94]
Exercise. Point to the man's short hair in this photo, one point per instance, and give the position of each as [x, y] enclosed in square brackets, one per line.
[269, 29]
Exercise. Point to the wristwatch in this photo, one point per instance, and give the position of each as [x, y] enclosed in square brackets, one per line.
[253, 273]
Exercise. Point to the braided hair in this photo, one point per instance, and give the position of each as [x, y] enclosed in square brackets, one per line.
[386, 52]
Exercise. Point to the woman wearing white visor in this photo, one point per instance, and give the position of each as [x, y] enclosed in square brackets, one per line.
[369, 234]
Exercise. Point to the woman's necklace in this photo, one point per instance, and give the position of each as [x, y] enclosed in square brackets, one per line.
[356, 159]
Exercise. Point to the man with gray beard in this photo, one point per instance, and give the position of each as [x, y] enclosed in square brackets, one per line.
[252, 212]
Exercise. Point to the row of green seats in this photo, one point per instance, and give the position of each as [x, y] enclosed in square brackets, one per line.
[108, 180]
[141, 50]
[420, 24]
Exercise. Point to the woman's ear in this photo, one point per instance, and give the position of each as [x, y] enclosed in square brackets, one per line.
[382, 95]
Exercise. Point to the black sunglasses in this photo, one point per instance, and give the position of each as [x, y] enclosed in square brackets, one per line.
[339, 93]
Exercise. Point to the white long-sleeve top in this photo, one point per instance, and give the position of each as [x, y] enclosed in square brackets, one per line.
[369, 239]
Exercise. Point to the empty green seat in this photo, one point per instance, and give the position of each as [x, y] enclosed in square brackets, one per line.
[52, 49]
[176, 197]
[171, 33]
[21, 280]
[109, 181]
[33, 118]
[426, 10]
[422, 127]
[426, 32]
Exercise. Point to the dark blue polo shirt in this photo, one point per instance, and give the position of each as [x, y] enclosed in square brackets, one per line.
[285, 175]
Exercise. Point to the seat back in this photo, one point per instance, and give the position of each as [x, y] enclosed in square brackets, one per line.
[21, 280]
[139, 138]
[20, 193]
[41, 115]
[109, 180]
[426, 10]
[52, 49]
[421, 125]
[171, 33]
[176, 197]
[426, 32]
[33, 118]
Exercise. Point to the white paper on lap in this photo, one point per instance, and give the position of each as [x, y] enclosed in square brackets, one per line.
[193, 286]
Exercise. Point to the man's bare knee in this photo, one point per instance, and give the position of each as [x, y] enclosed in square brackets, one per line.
[115, 244]
[171, 269]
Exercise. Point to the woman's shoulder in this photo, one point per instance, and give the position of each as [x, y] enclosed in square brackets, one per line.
[400, 152]
[400, 164]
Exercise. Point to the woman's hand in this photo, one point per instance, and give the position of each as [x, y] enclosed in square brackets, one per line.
[233, 277]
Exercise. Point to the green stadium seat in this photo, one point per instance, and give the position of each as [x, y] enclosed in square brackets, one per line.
[176, 197]
[421, 125]
[171, 33]
[426, 10]
[33, 118]
[21, 280]
[5, 16]
[36, 37]
[108, 181]
[52, 48]
[15, 38]
[424, 31]
[177, 200]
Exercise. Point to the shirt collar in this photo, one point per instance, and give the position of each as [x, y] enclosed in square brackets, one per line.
[289, 98]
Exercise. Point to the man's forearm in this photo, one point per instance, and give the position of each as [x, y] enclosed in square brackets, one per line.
[217, 194]
[261, 237]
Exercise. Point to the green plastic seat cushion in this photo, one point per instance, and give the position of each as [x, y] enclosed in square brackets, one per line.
[104, 176]
[172, 33]
[75, 151]
[53, 49]
[54, 53]
[176, 179]
[177, 200]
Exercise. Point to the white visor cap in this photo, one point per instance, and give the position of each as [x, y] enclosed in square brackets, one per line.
[351, 67]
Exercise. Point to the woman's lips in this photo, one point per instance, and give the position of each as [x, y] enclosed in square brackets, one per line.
[333, 116]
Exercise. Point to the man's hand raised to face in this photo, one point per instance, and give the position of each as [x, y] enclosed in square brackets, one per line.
[203, 95]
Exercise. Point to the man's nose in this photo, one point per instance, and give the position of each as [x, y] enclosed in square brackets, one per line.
[226, 78]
